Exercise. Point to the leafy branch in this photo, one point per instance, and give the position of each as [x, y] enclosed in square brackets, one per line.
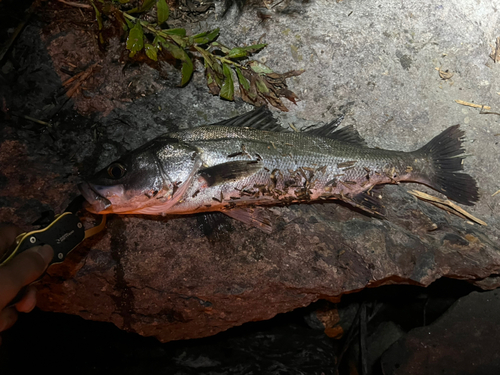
[224, 66]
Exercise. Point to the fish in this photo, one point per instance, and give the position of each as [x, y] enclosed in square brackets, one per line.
[241, 165]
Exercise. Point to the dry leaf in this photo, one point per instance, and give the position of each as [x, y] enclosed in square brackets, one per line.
[446, 205]
[445, 74]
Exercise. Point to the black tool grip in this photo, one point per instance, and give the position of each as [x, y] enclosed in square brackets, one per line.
[63, 234]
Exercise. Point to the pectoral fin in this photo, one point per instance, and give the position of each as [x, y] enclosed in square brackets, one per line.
[257, 217]
[230, 171]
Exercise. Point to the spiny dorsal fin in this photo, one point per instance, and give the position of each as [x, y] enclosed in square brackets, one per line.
[260, 118]
[347, 134]
[325, 130]
[230, 171]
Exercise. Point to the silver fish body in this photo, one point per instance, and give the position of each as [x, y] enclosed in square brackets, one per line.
[233, 168]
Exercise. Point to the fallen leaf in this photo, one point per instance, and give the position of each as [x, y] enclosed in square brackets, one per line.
[446, 205]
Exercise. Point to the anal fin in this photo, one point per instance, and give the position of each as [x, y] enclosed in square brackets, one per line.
[369, 201]
[257, 217]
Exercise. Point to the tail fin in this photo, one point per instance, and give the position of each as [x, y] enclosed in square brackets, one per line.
[445, 152]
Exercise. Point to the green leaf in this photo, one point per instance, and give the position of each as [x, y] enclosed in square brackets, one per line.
[157, 40]
[207, 57]
[129, 23]
[237, 53]
[258, 67]
[151, 52]
[180, 32]
[244, 51]
[242, 80]
[222, 48]
[135, 40]
[179, 40]
[186, 70]
[97, 16]
[206, 37]
[179, 53]
[254, 48]
[163, 11]
[261, 85]
[217, 67]
[227, 89]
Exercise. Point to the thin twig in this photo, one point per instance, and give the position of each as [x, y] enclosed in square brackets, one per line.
[472, 104]
[77, 5]
[79, 78]
[36, 120]
[488, 113]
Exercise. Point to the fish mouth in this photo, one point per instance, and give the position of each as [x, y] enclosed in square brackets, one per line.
[96, 202]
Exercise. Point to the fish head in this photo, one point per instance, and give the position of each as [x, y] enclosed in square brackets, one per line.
[148, 180]
[125, 185]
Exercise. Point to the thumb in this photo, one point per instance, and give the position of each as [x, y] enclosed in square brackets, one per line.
[22, 270]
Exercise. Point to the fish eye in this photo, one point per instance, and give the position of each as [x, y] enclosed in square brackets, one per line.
[116, 171]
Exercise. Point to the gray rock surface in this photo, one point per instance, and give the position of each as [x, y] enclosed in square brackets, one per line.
[163, 276]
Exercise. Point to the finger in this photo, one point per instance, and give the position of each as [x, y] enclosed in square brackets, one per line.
[7, 318]
[22, 270]
[8, 234]
[28, 302]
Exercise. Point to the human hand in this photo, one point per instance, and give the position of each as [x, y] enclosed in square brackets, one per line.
[22, 270]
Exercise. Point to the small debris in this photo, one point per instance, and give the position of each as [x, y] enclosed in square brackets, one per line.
[472, 104]
[445, 74]
[495, 54]
[74, 83]
[446, 205]
[495, 193]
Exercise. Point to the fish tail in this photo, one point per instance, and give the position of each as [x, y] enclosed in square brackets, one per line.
[445, 154]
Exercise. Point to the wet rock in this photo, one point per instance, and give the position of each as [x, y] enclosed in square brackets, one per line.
[386, 334]
[463, 341]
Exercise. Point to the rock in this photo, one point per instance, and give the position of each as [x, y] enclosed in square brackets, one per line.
[463, 341]
[164, 277]
[386, 334]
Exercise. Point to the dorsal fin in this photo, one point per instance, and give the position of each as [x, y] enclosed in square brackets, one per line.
[260, 118]
[347, 134]
[325, 130]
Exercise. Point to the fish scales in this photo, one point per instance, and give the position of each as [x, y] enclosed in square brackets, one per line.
[288, 153]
